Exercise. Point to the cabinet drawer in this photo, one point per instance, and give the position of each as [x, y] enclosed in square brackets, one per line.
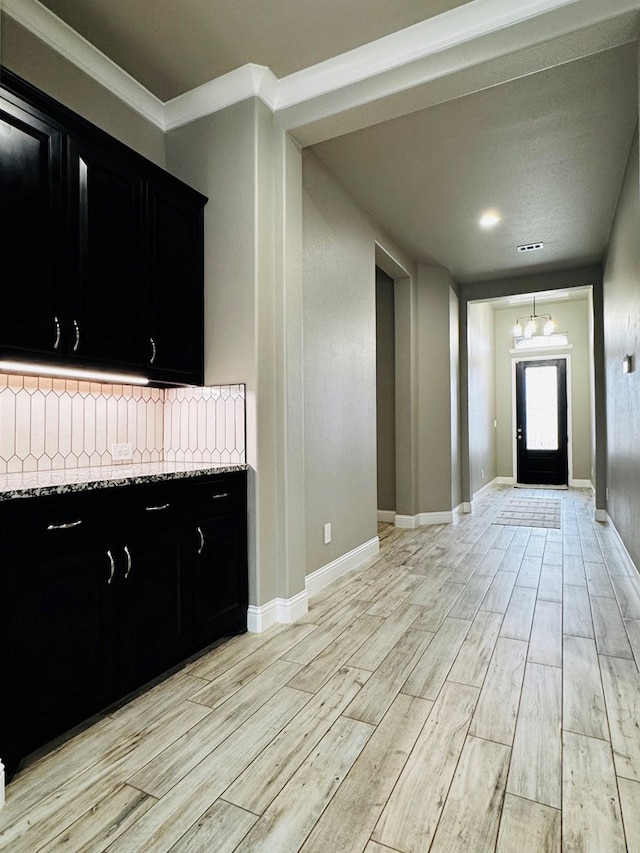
[217, 497]
[51, 526]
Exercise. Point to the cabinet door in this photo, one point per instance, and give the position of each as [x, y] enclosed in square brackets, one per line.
[60, 633]
[152, 604]
[174, 300]
[220, 577]
[105, 248]
[30, 217]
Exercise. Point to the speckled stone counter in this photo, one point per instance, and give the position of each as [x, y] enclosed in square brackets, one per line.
[34, 483]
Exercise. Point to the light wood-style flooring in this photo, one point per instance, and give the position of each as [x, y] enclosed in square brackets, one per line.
[474, 688]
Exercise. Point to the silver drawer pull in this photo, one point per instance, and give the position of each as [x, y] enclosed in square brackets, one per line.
[112, 566]
[129, 562]
[201, 535]
[223, 495]
[76, 342]
[157, 508]
[153, 350]
[66, 526]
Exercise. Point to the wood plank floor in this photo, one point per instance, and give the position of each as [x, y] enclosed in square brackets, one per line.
[474, 688]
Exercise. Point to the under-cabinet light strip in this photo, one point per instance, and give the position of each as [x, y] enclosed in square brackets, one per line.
[38, 369]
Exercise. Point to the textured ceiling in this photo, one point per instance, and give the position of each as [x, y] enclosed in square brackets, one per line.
[547, 151]
[171, 47]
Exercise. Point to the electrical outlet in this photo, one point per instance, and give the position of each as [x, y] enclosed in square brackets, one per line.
[327, 533]
[121, 452]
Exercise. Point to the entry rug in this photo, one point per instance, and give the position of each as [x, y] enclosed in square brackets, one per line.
[531, 512]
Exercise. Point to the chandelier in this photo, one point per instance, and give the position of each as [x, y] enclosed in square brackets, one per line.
[531, 324]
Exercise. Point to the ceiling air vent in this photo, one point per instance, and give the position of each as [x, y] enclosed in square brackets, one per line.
[531, 247]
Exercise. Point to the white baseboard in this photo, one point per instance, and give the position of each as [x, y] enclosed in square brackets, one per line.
[286, 610]
[427, 518]
[406, 522]
[505, 481]
[424, 519]
[602, 515]
[467, 507]
[332, 571]
[627, 556]
[278, 610]
[580, 484]
[388, 515]
[487, 486]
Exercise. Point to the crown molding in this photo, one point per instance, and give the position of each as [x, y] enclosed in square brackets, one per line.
[397, 62]
[68, 43]
[245, 82]
[450, 29]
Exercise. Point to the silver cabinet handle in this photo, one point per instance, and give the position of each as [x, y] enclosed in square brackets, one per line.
[223, 495]
[201, 535]
[112, 566]
[76, 343]
[56, 343]
[129, 562]
[67, 526]
[153, 350]
[157, 508]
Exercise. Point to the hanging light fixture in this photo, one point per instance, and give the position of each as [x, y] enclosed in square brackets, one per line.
[531, 326]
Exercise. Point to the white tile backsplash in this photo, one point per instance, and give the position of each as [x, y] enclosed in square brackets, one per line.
[50, 424]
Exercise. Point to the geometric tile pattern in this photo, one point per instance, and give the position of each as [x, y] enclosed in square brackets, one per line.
[205, 424]
[531, 512]
[53, 424]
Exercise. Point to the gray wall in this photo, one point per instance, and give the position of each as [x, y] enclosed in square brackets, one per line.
[385, 390]
[482, 395]
[24, 54]
[339, 367]
[339, 314]
[438, 369]
[571, 317]
[622, 336]
[253, 316]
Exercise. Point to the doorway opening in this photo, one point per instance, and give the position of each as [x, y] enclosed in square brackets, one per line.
[541, 422]
[385, 396]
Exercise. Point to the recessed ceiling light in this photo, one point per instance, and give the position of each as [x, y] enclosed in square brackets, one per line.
[489, 219]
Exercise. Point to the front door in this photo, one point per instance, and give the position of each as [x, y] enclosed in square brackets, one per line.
[541, 415]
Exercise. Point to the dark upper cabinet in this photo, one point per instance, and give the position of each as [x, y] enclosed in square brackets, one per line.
[102, 250]
[105, 256]
[30, 210]
[174, 299]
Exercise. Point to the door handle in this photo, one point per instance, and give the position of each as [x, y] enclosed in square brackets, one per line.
[129, 562]
[112, 566]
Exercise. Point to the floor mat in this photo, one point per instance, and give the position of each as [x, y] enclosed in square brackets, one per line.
[531, 512]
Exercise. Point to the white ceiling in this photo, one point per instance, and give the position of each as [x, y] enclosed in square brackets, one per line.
[539, 130]
[172, 47]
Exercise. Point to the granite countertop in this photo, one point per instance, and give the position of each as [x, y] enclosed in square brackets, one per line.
[35, 483]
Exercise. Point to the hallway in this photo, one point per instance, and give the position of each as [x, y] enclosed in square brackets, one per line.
[475, 687]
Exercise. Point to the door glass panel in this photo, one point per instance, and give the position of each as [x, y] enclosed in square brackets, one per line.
[541, 389]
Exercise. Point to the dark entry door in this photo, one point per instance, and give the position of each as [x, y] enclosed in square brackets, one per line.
[541, 412]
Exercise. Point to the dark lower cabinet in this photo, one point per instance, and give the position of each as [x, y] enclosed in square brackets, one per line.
[153, 605]
[57, 619]
[102, 591]
[219, 588]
